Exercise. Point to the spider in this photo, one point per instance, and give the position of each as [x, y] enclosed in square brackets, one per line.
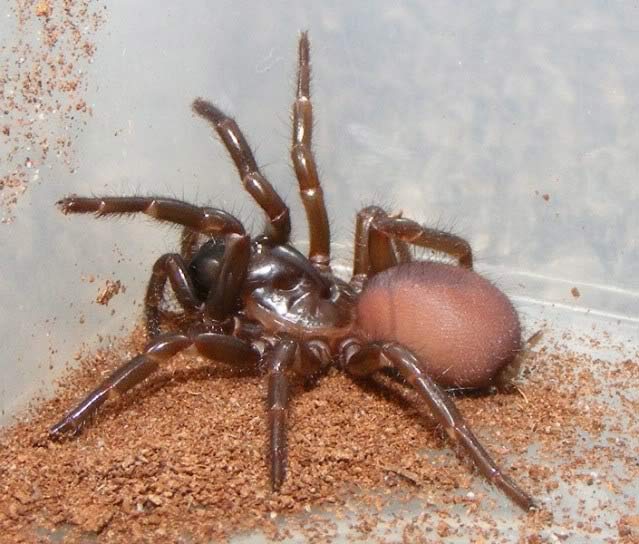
[258, 302]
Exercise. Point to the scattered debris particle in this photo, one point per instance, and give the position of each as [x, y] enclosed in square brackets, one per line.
[628, 526]
[43, 8]
[575, 292]
[111, 289]
[544, 196]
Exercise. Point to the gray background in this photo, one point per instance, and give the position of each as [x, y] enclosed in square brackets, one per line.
[461, 114]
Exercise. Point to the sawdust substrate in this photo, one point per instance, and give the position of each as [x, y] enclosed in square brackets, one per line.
[182, 458]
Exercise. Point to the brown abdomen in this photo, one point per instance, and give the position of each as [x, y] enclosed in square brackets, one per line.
[462, 328]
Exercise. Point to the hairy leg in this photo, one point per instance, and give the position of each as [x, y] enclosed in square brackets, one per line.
[169, 266]
[374, 252]
[278, 214]
[362, 361]
[277, 362]
[410, 232]
[304, 162]
[218, 347]
[224, 294]
[189, 242]
[204, 220]
[305, 360]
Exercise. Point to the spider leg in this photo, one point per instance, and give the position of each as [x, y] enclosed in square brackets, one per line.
[218, 347]
[279, 227]
[276, 363]
[221, 298]
[304, 360]
[366, 360]
[169, 266]
[374, 253]
[201, 219]
[224, 294]
[363, 250]
[411, 232]
[403, 252]
[304, 162]
[189, 242]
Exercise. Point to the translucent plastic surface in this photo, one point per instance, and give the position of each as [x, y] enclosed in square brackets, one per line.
[513, 124]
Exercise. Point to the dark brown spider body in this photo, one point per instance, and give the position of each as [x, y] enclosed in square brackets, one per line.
[257, 302]
[303, 312]
[280, 292]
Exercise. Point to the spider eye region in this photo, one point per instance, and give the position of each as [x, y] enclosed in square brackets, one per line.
[462, 328]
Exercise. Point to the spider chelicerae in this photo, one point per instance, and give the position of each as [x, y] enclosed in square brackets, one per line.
[258, 302]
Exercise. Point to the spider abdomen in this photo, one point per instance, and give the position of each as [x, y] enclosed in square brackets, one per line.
[461, 327]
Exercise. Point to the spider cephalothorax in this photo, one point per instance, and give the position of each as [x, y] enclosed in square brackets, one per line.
[260, 303]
